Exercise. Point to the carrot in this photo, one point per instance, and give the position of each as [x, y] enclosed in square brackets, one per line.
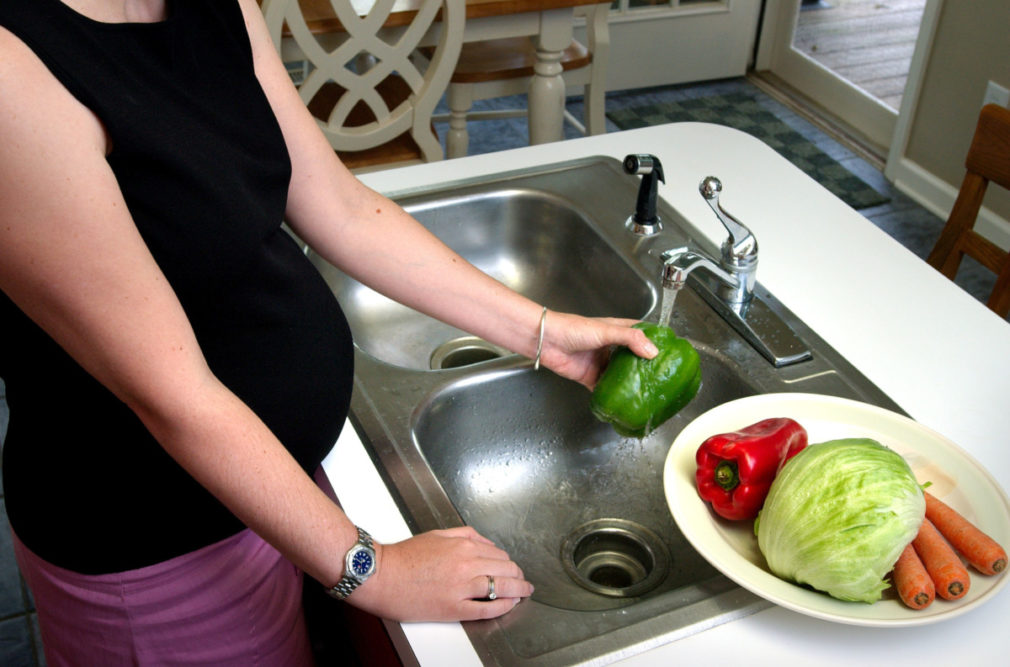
[949, 575]
[911, 580]
[981, 551]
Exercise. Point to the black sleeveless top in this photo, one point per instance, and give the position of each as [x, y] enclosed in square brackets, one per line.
[204, 169]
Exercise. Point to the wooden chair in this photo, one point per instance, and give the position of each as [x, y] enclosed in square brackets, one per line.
[504, 67]
[988, 160]
[372, 97]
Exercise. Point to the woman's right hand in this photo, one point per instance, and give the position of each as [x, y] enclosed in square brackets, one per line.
[441, 575]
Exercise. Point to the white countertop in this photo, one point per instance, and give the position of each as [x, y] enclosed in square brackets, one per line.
[941, 355]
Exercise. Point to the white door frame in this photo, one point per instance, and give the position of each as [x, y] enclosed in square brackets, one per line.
[877, 122]
[913, 86]
[927, 189]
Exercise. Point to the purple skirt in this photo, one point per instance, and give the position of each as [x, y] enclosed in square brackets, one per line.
[236, 602]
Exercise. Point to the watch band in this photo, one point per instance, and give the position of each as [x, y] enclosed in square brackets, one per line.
[344, 587]
[348, 583]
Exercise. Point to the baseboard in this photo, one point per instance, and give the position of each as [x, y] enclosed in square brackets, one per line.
[819, 117]
[937, 196]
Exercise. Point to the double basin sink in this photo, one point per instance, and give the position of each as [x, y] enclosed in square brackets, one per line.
[464, 432]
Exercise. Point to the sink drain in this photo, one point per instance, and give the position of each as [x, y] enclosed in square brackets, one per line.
[615, 557]
[464, 351]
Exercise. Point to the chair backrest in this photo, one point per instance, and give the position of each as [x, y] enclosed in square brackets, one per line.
[361, 63]
[988, 161]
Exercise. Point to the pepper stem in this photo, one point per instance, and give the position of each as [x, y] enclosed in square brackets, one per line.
[726, 475]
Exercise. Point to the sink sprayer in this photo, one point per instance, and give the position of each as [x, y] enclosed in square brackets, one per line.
[645, 221]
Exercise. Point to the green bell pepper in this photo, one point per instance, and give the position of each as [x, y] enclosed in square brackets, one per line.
[636, 395]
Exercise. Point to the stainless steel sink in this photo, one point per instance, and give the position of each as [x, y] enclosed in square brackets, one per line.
[465, 433]
[525, 462]
[531, 240]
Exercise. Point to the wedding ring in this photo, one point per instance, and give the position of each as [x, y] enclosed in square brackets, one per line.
[491, 595]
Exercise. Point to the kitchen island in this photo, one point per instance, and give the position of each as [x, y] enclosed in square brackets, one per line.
[941, 355]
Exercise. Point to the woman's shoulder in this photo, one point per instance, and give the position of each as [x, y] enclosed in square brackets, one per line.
[14, 53]
[22, 72]
[32, 99]
[44, 130]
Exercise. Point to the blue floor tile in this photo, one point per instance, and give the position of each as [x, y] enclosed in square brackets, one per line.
[16, 643]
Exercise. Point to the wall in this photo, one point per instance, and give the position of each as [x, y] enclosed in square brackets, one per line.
[971, 45]
[657, 46]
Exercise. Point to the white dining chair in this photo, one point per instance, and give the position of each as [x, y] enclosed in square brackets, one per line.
[505, 67]
[371, 94]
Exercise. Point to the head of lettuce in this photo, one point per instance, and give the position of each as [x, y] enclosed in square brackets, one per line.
[837, 517]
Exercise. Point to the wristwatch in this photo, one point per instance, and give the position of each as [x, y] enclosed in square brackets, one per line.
[359, 565]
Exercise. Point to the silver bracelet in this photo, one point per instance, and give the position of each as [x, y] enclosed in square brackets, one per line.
[540, 339]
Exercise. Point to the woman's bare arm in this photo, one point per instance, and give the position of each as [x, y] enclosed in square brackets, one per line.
[376, 242]
[72, 259]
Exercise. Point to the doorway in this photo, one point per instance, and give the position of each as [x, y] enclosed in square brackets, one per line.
[852, 59]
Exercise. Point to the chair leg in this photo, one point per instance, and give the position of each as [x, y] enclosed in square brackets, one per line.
[595, 93]
[999, 300]
[457, 141]
[946, 254]
[594, 99]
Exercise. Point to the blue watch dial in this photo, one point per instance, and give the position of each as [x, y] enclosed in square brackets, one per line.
[361, 563]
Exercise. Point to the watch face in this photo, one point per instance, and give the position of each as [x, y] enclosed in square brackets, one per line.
[361, 563]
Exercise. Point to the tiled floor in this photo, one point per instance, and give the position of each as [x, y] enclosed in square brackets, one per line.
[908, 223]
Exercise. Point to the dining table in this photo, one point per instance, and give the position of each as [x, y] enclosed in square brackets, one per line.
[550, 22]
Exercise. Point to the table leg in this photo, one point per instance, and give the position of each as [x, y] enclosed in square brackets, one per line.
[547, 89]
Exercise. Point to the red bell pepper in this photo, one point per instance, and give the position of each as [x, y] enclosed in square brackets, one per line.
[735, 470]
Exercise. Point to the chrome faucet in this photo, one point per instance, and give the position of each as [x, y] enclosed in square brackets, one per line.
[737, 267]
[733, 294]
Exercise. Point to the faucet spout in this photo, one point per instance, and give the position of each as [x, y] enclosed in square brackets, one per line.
[736, 286]
[678, 263]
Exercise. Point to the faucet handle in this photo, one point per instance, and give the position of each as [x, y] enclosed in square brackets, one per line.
[740, 249]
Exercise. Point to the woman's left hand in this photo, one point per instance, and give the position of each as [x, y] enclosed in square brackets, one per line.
[578, 348]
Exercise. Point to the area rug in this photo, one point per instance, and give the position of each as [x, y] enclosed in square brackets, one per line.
[745, 113]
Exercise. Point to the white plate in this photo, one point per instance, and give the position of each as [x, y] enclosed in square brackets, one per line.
[730, 546]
